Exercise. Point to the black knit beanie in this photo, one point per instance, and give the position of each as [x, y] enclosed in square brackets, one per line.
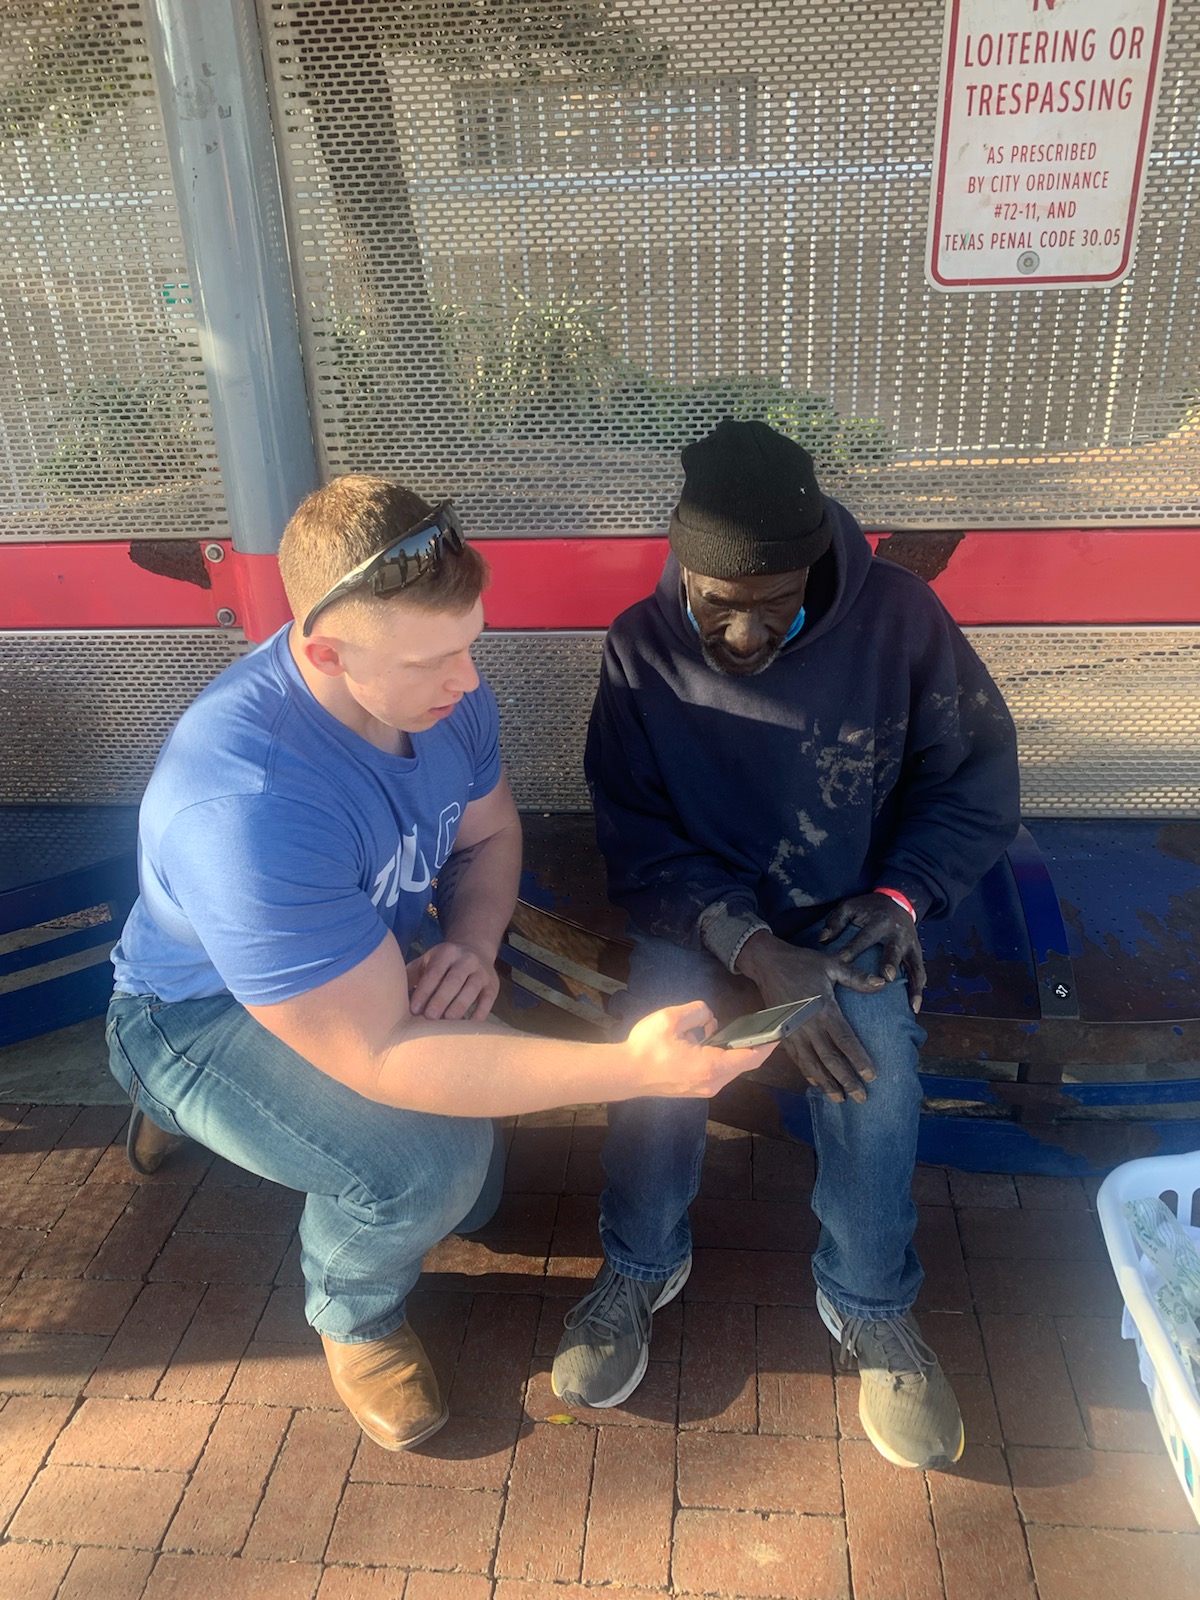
[750, 504]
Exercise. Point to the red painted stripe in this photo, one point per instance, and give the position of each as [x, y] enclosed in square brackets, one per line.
[262, 607]
[98, 585]
[568, 583]
[992, 578]
[63, 585]
[998, 578]
[1065, 576]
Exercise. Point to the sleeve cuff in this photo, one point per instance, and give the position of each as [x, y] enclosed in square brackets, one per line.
[898, 897]
[914, 892]
[723, 932]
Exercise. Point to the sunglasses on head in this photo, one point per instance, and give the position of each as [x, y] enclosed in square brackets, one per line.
[403, 563]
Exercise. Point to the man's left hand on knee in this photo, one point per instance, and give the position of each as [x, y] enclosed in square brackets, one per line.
[881, 921]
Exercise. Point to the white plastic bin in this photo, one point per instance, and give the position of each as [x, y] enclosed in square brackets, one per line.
[1171, 1394]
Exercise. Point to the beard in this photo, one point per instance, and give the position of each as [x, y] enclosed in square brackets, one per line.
[719, 660]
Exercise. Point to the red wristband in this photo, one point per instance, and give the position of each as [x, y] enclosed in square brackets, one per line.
[900, 899]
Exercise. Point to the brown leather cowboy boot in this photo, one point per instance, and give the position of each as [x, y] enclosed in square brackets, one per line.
[147, 1145]
[388, 1387]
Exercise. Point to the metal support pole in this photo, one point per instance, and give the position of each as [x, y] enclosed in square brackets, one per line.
[212, 90]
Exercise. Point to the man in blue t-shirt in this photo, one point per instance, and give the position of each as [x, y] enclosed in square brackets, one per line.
[303, 816]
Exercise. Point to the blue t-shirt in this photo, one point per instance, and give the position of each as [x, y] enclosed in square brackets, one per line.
[276, 847]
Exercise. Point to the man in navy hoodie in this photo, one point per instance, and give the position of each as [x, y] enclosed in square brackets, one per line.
[794, 757]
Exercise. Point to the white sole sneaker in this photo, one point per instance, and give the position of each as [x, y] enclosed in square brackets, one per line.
[666, 1294]
[832, 1319]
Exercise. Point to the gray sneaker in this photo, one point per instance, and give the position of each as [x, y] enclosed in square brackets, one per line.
[906, 1405]
[603, 1354]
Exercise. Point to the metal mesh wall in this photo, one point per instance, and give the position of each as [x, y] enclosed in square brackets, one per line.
[82, 715]
[540, 247]
[104, 422]
[1107, 719]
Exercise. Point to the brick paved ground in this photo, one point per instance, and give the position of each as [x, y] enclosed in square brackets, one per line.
[167, 1428]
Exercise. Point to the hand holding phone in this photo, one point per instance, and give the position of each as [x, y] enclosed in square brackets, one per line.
[665, 1055]
[765, 1027]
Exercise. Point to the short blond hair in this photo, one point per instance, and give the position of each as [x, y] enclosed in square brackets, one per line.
[349, 520]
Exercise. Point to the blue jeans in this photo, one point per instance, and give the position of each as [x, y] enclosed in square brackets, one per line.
[865, 1261]
[383, 1185]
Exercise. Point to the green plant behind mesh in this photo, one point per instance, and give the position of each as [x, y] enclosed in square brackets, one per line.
[547, 371]
[66, 65]
[660, 415]
[514, 39]
[525, 370]
[117, 435]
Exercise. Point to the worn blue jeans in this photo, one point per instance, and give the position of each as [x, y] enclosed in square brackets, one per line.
[383, 1185]
[865, 1261]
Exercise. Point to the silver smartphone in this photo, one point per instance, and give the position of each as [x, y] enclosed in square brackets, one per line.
[765, 1027]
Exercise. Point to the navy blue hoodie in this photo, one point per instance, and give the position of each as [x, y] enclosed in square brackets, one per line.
[875, 750]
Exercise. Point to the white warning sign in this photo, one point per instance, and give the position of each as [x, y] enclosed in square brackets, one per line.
[1044, 127]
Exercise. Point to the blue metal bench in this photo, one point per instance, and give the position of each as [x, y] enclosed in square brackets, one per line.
[68, 877]
[1075, 961]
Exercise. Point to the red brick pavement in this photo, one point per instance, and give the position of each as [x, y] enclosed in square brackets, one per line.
[167, 1429]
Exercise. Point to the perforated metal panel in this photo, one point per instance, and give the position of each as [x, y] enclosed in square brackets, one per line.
[540, 247]
[1108, 719]
[1107, 722]
[544, 685]
[104, 421]
[83, 715]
